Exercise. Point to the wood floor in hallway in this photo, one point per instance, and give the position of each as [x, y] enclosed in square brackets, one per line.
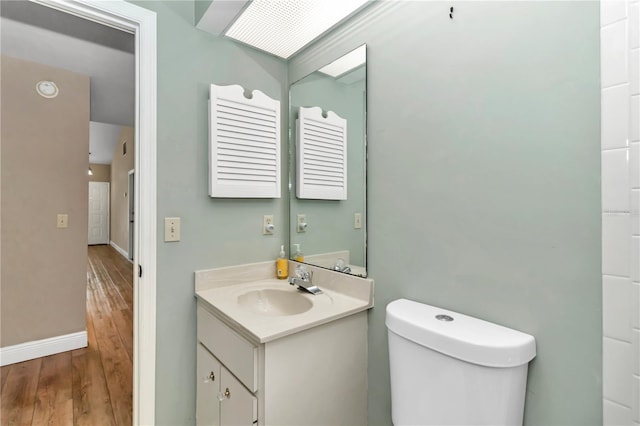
[88, 386]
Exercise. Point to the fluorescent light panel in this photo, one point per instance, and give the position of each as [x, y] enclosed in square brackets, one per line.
[283, 27]
[346, 63]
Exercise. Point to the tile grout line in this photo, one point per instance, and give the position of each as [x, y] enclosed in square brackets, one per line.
[615, 402]
[616, 339]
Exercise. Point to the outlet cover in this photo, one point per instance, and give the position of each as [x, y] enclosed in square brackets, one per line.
[267, 224]
[301, 223]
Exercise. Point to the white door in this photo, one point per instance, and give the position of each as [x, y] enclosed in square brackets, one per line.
[98, 213]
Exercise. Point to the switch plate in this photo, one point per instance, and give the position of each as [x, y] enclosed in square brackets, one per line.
[171, 229]
[357, 220]
[301, 223]
[267, 224]
[63, 221]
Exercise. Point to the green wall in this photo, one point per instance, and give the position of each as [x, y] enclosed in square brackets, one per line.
[215, 232]
[484, 180]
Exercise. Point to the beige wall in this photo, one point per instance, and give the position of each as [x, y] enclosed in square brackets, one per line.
[120, 167]
[45, 153]
[101, 173]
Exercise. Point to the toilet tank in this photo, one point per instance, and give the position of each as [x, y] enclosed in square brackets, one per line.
[452, 369]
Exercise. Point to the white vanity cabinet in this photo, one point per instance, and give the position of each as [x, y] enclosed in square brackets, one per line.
[221, 398]
[316, 376]
[207, 388]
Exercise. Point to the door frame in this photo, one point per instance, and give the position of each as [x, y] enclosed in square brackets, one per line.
[142, 24]
[108, 207]
[131, 190]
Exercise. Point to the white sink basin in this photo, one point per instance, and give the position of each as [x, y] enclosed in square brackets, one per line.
[274, 302]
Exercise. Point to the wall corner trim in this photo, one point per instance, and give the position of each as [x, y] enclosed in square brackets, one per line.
[44, 347]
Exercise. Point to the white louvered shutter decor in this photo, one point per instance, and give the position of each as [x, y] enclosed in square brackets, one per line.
[321, 155]
[244, 144]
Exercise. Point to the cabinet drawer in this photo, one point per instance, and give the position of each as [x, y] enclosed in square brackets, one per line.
[233, 350]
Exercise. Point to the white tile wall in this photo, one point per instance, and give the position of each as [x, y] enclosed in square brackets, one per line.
[635, 344]
[620, 124]
[615, 117]
[635, 254]
[616, 294]
[615, 181]
[635, 212]
[635, 395]
[634, 165]
[612, 11]
[616, 244]
[613, 54]
[634, 125]
[615, 413]
[634, 25]
[616, 374]
[635, 302]
[634, 71]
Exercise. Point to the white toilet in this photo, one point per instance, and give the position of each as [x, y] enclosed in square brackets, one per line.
[452, 369]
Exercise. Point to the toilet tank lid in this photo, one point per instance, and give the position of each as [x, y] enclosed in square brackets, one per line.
[460, 336]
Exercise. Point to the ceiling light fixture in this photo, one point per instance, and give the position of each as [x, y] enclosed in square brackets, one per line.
[284, 27]
[47, 89]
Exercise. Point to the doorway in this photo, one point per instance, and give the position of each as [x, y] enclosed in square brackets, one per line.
[142, 24]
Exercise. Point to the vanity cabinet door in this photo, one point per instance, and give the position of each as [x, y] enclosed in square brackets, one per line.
[208, 388]
[238, 406]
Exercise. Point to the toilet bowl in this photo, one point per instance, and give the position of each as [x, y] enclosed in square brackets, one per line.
[452, 369]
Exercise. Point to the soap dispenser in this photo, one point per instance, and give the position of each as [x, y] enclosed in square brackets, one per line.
[282, 265]
[298, 256]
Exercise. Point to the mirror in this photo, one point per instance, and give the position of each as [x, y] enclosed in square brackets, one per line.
[327, 163]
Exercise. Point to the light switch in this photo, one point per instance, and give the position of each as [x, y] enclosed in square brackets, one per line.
[63, 221]
[357, 220]
[171, 229]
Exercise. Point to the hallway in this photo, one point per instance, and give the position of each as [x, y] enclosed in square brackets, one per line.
[89, 386]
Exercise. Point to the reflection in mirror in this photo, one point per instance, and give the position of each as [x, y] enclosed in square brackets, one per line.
[330, 231]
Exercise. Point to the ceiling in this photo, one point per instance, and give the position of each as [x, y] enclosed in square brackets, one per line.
[41, 34]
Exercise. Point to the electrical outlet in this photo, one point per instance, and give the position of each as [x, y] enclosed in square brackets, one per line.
[357, 220]
[171, 229]
[301, 223]
[267, 224]
[63, 221]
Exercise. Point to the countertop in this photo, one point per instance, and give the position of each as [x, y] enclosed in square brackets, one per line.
[342, 295]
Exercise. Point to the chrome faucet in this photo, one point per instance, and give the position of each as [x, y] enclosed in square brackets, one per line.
[341, 266]
[303, 280]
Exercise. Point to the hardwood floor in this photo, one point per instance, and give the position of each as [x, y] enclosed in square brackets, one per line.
[88, 386]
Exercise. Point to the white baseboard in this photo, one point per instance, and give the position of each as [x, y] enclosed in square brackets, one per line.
[44, 347]
[119, 250]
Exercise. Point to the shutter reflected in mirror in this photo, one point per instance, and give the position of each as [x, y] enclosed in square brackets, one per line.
[321, 155]
[244, 144]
